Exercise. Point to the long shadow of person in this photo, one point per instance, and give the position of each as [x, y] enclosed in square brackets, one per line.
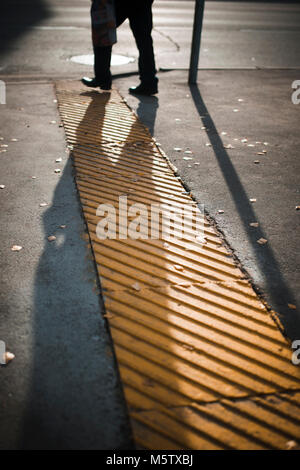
[279, 292]
[74, 398]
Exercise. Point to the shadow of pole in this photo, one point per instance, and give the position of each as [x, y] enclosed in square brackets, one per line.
[278, 290]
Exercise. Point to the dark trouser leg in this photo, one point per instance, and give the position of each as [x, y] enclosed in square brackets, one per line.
[140, 19]
[102, 57]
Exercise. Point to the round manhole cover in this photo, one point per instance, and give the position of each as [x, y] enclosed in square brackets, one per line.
[88, 59]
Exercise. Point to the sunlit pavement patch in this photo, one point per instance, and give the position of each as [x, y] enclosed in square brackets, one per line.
[116, 59]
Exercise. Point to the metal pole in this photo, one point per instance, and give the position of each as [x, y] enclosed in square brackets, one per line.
[195, 50]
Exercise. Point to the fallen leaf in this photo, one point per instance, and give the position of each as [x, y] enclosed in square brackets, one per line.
[262, 241]
[51, 238]
[8, 356]
[16, 248]
[188, 347]
[254, 224]
[291, 445]
[108, 315]
[178, 267]
[292, 306]
[136, 286]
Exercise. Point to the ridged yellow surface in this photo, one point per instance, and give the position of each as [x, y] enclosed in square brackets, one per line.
[202, 362]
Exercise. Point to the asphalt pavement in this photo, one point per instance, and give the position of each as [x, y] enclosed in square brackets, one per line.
[240, 112]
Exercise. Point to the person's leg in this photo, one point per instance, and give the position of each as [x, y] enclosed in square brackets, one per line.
[102, 54]
[121, 9]
[102, 78]
[102, 57]
[140, 18]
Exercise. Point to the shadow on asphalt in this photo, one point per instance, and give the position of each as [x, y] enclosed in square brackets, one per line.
[147, 110]
[74, 395]
[16, 17]
[265, 259]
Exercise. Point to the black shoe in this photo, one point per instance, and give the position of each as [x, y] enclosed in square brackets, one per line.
[144, 89]
[94, 83]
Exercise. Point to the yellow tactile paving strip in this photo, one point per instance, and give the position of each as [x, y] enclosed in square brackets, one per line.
[202, 362]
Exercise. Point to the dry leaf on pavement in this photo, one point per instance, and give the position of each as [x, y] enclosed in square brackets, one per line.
[262, 241]
[136, 286]
[16, 248]
[8, 356]
[178, 267]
